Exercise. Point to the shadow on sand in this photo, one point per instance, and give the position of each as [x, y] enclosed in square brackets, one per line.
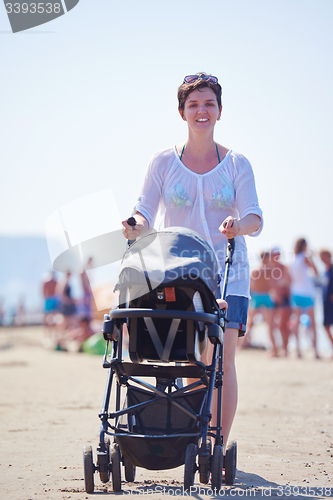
[247, 485]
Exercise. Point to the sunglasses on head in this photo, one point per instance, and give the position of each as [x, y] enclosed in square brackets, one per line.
[193, 78]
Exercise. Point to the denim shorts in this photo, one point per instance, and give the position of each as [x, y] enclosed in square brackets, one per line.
[237, 313]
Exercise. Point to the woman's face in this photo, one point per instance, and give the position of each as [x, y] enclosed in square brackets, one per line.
[201, 109]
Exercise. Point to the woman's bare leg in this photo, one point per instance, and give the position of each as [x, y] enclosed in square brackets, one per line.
[313, 326]
[297, 311]
[229, 391]
[268, 315]
[284, 328]
[230, 388]
[330, 336]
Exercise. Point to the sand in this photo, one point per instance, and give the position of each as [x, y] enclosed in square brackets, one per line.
[49, 409]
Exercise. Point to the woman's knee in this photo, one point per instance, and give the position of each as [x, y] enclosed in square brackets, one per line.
[229, 365]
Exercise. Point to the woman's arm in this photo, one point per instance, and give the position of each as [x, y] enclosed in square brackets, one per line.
[309, 262]
[246, 199]
[232, 227]
[141, 227]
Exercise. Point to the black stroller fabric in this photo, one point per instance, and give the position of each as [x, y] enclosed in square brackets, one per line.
[172, 256]
[160, 418]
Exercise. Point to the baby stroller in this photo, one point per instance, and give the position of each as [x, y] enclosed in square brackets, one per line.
[157, 421]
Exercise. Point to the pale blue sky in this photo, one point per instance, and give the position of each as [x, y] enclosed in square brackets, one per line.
[89, 97]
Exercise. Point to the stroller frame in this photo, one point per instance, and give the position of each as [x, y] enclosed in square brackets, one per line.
[189, 402]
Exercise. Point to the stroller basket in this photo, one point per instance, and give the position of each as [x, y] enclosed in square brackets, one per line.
[160, 431]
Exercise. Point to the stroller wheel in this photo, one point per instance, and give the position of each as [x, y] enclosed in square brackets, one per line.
[115, 461]
[88, 467]
[190, 466]
[231, 464]
[217, 465]
[205, 474]
[129, 470]
[105, 476]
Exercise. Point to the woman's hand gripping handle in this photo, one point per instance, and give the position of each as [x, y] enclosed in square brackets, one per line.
[130, 231]
[134, 227]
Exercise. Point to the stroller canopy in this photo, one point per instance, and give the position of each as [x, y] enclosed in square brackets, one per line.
[168, 257]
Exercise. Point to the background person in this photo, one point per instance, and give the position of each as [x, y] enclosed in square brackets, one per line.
[303, 290]
[261, 300]
[79, 335]
[51, 301]
[204, 186]
[87, 297]
[280, 293]
[67, 303]
[326, 257]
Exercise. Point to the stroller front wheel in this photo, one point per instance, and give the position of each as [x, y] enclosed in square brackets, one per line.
[115, 462]
[129, 470]
[190, 465]
[105, 475]
[231, 464]
[88, 469]
[217, 465]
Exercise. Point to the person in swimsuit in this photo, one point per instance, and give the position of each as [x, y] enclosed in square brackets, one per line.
[261, 300]
[51, 301]
[87, 299]
[326, 257]
[67, 304]
[281, 282]
[206, 187]
[303, 290]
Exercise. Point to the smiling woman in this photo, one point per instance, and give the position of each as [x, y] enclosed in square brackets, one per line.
[206, 187]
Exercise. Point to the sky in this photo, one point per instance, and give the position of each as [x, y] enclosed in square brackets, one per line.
[87, 99]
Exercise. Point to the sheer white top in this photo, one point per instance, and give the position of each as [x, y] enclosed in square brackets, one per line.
[201, 202]
[301, 282]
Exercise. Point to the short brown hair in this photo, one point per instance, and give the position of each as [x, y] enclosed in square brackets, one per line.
[186, 88]
[325, 252]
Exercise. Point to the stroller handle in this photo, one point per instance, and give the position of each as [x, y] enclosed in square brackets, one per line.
[228, 263]
[131, 222]
[230, 251]
[159, 313]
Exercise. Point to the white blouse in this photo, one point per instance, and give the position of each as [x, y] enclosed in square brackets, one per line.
[301, 282]
[201, 202]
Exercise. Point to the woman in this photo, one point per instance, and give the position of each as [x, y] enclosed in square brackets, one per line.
[206, 187]
[303, 290]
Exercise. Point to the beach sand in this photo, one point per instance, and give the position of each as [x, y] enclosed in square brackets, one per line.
[49, 409]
